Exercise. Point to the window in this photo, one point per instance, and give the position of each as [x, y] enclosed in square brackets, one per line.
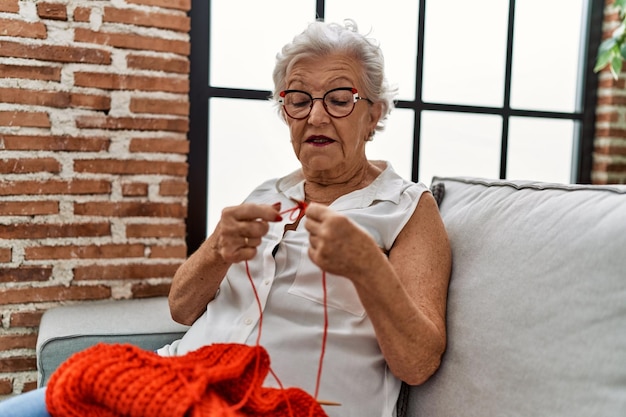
[486, 88]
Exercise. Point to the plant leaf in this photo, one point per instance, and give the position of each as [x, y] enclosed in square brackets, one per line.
[607, 44]
[616, 66]
[622, 50]
[603, 60]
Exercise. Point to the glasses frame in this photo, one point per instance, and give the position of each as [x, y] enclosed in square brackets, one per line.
[355, 97]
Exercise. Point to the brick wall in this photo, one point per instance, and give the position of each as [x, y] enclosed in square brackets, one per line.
[609, 159]
[93, 120]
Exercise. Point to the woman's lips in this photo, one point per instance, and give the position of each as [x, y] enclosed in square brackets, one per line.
[319, 140]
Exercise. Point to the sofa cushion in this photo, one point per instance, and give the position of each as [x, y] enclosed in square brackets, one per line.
[537, 302]
[69, 329]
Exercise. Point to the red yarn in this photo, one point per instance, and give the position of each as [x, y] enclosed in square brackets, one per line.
[296, 213]
[216, 380]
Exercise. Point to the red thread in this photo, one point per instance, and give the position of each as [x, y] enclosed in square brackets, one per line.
[296, 213]
[324, 336]
[298, 210]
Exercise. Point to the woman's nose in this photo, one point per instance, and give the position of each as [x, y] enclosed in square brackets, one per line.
[318, 113]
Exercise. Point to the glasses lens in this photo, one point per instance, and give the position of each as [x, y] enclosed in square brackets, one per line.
[297, 104]
[339, 102]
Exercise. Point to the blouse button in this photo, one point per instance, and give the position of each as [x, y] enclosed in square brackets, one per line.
[248, 321]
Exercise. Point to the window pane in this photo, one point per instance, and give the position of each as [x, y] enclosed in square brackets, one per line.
[454, 144]
[395, 32]
[395, 143]
[247, 34]
[243, 155]
[546, 57]
[544, 156]
[465, 52]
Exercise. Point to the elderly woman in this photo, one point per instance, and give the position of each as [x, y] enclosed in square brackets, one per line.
[345, 255]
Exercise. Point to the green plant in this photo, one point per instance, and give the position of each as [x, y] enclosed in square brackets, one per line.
[612, 51]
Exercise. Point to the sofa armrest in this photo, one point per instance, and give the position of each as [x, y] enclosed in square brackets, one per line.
[69, 329]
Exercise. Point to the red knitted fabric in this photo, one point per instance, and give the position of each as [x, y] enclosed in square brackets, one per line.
[217, 380]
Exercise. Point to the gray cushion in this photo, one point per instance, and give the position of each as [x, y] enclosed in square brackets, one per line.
[66, 330]
[537, 302]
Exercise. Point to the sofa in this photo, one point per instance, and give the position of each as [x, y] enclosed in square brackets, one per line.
[536, 305]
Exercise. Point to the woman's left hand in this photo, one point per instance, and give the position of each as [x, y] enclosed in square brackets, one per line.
[337, 244]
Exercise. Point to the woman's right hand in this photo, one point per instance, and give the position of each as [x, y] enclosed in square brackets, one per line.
[235, 239]
[241, 229]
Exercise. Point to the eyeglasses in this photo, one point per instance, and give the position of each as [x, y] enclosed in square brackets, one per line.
[338, 102]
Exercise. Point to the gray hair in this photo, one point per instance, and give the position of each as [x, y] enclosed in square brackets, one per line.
[321, 39]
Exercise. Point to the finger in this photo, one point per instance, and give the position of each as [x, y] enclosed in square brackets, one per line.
[249, 211]
[251, 229]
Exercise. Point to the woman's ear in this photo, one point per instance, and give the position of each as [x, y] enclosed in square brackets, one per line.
[376, 111]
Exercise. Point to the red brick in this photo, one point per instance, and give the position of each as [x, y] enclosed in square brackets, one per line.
[54, 143]
[172, 4]
[611, 101]
[109, 251]
[30, 386]
[108, 81]
[82, 14]
[28, 208]
[135, 189]
[609, 166]
[32, 72]
[6, 254]
[610, 149]
[143, 290]
[20, 29]
[55, 53]
[176, 65]
[6, 385]
[610, 131]
[58, 99]
[180, 146]
[46, 294]
[18, 364]
[177, 251]
[9, 6]
[130, 41]
[175, 21]
[29, 165]
[26, 318]
[607, 117]
[23, 118]
[34, 97]
[51, 231]
[131, 167]
[133, 123]
[25, 274]
[155, 106]
[156, 230]
[130, 209]
[18, 341]
[48, 187]
[126, 271]
[90, 101]
[52, 11]
[173, 188]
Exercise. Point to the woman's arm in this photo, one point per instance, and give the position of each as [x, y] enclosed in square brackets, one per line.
[405, 293]
[196, 282]
[235, 239]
